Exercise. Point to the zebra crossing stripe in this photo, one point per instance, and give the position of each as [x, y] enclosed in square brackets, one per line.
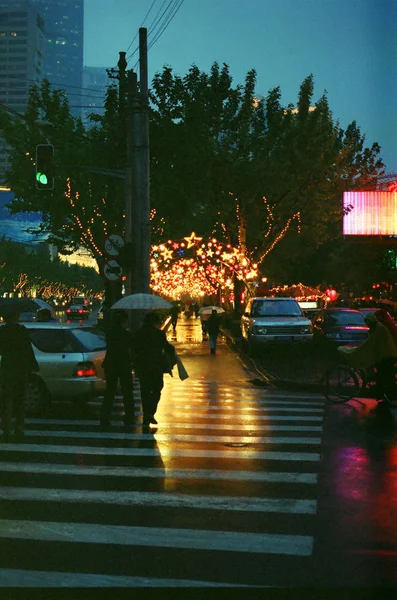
[237, 411]
[133, 498]
[172, 437]
[242, 453]
[55, 579]
[190, 426]
[261, 543]
[37, 421]
[165, 473]
[178, 412]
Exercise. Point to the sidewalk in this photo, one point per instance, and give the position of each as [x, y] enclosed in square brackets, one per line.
[194, 350]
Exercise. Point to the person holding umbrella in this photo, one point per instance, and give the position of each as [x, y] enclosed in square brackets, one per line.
[213, 327]
[150, 344]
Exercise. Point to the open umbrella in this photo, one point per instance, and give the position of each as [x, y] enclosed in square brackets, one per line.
[207, 310]
[141, 302]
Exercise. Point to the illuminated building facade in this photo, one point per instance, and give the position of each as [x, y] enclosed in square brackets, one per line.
[22, 45]
[64, 46]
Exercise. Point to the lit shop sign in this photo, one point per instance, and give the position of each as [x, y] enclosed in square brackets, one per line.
[370, 213]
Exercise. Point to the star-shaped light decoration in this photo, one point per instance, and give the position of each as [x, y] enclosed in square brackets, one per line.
[167, 254]
[192, 240]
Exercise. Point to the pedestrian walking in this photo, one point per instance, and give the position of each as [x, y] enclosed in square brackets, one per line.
[196, 309]
[17, 363]
[118, 366]
[174, 312]
[212, 327]
[150, 348]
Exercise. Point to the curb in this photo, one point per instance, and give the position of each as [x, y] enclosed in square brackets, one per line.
[266, 377]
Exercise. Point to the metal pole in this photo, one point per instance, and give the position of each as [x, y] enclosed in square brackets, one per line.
[144, 162]
[132, 89]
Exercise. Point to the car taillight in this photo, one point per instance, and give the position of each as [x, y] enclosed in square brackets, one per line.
[85, 369]
[68, 310]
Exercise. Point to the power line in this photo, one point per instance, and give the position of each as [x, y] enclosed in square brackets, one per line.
[100, 97]
[170, 12]
[77, 87]
[155, 20]
[167, 24]
[146, 16]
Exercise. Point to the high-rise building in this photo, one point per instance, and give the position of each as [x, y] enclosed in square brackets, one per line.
[95, 80]
[64, 46]
[21, 58]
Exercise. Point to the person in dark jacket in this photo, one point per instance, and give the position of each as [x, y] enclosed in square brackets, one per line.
[213, 326]
[150, 344]
[174, 312]
[17, 363]
[118, 366]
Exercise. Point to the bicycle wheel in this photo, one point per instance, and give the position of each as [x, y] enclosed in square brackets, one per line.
[341, 384]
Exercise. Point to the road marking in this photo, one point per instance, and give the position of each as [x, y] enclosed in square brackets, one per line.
[23, 578]
[190, 426]
[158, 537]
[172, 437]
[176, 411]
[174, 500]
[164, 473]
[209, 425]
[242, 453]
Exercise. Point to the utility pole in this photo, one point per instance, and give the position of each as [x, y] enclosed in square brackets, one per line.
[140, 212]
[132, 108]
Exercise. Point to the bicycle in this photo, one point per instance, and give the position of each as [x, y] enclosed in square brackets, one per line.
[342, 382]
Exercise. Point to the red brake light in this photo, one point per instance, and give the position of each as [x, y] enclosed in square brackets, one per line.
[85, 370]
[68, 310]
[80, 310]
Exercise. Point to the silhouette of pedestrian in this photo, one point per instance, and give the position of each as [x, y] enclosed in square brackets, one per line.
[17, 363]
[118, 365]
[150, 344]
[174, 312]
[212, 327]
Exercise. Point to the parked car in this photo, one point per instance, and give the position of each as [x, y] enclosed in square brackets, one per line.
[27, 307]
[274, 320]
[77, 311]
[341, 325]
[70, 358]
[370, 311]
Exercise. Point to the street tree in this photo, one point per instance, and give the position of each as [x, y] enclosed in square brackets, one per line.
[84, 206]
[254, 170]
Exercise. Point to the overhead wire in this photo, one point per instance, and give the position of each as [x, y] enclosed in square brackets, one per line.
[169, 14]
[143, 22]
[160, 33]
[154, 22]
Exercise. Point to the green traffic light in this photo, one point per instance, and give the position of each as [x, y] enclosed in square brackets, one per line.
[42, 178]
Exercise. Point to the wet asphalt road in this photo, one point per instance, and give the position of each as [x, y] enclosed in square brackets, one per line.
[238, 485]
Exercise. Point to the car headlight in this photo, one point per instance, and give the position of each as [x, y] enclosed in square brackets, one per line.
[307, 329]
[257, 330]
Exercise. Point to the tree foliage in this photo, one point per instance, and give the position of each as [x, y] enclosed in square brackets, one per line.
[222, 163]
[22, 270]
[83, 206]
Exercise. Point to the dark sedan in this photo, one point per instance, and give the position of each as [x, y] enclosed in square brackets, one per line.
[341, 325]
[370, 311]
[77, 311]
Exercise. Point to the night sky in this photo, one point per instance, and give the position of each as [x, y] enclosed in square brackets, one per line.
[349, 46]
